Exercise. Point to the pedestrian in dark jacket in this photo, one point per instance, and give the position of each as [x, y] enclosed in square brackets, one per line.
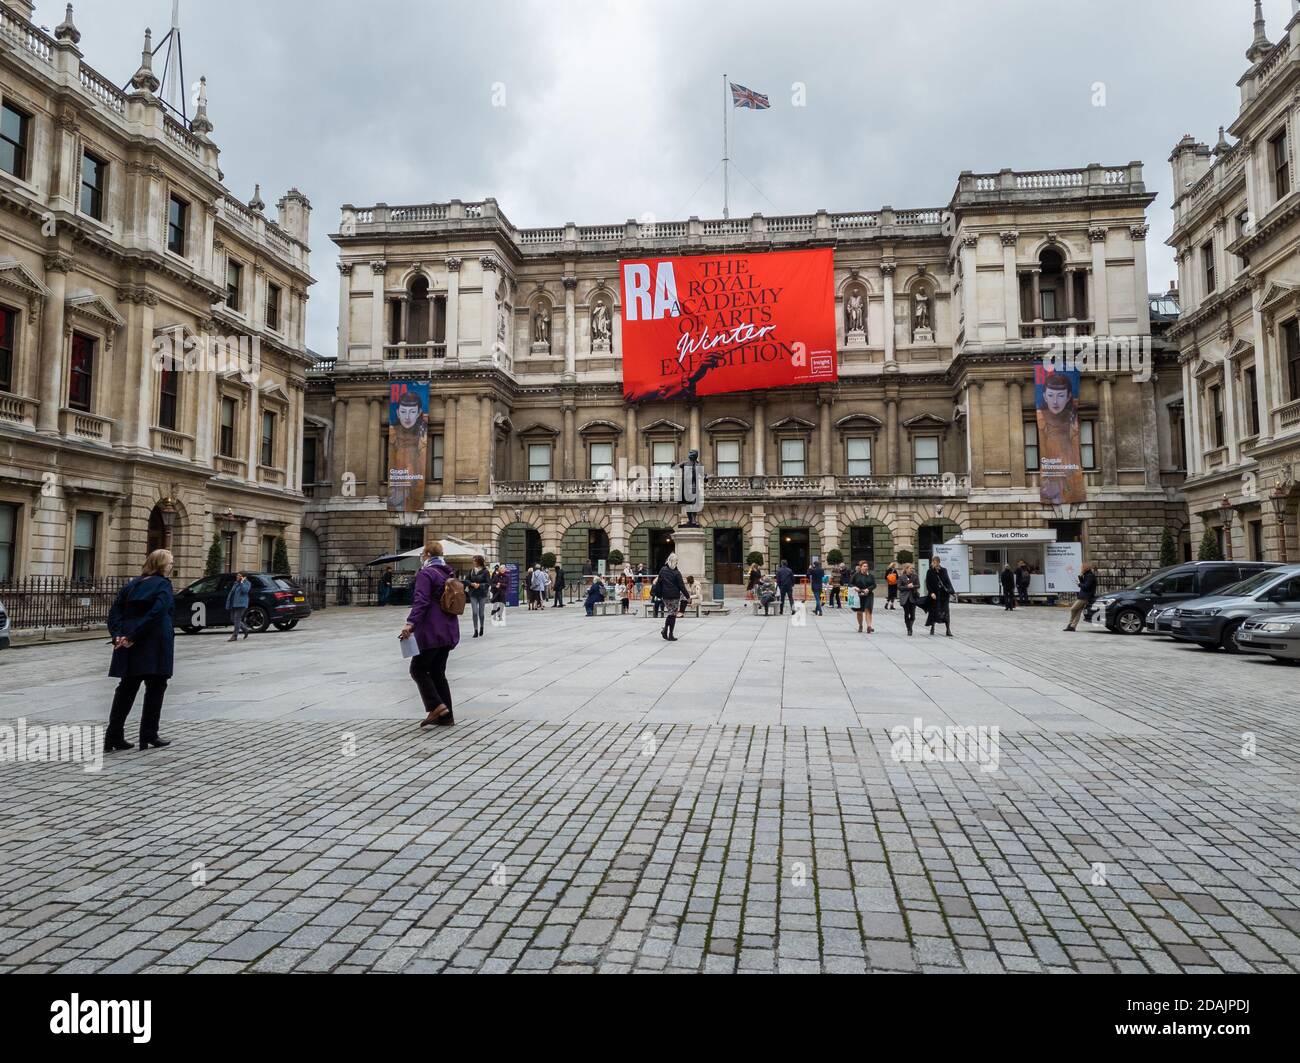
[559, 587]
[237, 604]
[939, 590]
[1087, 595]
[755, 576]
[909, 594]
[816, 574]
[672, 589]
[595, 594]
[143, 631]
[891, 584]
[436, 633]
[863, 581]
[500, 589]
[385, 586]
[1022, 583]
[477, 587]
[837, 586]
[1008, 581]
[785, 584]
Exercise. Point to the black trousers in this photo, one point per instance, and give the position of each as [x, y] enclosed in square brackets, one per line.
[909, 613]
[429, 670]
[790, 596]
[155, 686]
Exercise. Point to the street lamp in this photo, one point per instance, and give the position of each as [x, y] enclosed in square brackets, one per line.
[1278, 496]
[1225, 516]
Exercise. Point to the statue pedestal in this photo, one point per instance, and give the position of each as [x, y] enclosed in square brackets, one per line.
[855, 338]
[541, 349]
[923, 335]
[688, 544]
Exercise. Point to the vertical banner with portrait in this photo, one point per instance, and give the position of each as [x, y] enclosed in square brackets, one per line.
[408, 435]
[1056, 398]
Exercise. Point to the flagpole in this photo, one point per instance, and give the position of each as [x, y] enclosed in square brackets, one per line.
[726, 176]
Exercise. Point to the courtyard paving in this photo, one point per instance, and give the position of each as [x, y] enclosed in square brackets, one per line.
[612, 802]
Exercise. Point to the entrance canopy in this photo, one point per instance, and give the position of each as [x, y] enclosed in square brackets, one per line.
[1005, 536]
[452, 547]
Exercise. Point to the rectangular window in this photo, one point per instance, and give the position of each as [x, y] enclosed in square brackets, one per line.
[168, 394]
[8, 539]
[8, 339]
[1177, 438]
[792, 457]
[273, 307]
[230, 542]
[1031, 446]
[859, 455]
[1215, 396]
[15, 128]
[436, 449]
[602, 461]
[82, 377]
[93, 176]
[539, 461]
[727, 457]
[234, 283]
[1207, 261]
[1252, 402]
[268, 553]
[1279, 154]
[308, 460]
[1048, 309]
[1088, 444]
[1291, 337]
[178, 212]
[925, 455]
[85, 529]
[227, 442]
[663, 459]
[268, 439]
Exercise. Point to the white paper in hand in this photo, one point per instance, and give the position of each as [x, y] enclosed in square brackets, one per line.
[410, 648]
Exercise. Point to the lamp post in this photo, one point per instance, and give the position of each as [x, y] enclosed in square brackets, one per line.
[1278, 497]
[1225, 516]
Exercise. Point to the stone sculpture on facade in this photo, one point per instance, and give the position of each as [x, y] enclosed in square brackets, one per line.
[600, 327]
[855, 318]
[923, 332]
[541, 330]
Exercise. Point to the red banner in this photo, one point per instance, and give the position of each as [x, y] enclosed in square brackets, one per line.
[708, 324]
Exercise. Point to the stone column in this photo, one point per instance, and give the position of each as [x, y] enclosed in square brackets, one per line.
[760, 438]
[888, 269]
[374, 475]
[449, 446]
[1016, 423]
[453, 310]
[53, 343]
[487, 434]
[1011, 282]
[404, 326]
[758, 534]
[617, 531]
[147, 376]
[569, 440]
[1036, 294]
[345, 309]
[488, 307]
[824, 435]
[1069, 293]
[1192, 411]
[1100, 297]
[1109, 452]
[891, 437]
[570, 329]
[975, 422]
[968, 282]
[254, 424]
[632, 448]
[694, 438]
[1263, 348]
[379, 315]
[1140, 293]
[1230, 411]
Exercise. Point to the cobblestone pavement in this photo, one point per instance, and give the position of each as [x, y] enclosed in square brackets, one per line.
[728, 802]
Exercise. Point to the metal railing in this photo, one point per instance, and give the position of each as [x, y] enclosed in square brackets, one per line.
[36, 603]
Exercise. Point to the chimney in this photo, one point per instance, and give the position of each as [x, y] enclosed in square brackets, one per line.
[295, 214]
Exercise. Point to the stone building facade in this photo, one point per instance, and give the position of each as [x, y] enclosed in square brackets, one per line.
[121, 246]
[930, 429]
[1236, 232]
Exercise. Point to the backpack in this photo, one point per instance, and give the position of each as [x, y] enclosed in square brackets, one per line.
[453, 597]
[892, 579]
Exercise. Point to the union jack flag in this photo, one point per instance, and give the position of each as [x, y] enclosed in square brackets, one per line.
[743, 97]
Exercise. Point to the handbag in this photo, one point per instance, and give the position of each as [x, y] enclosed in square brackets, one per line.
[853, 598]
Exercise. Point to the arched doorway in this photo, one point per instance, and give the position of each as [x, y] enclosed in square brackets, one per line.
[650, 545]
[582, 543]
[520, 544]
[796, 544]
[160, 534]
[309, 555]
[870, 541]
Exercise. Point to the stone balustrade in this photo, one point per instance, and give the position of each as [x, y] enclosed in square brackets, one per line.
[732, 488]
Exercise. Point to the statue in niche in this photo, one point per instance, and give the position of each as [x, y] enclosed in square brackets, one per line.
[501, 325]
[855, 313]
[922, 311]
[541, 326]
[600, 326]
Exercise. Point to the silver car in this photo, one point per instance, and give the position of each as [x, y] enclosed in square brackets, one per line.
[1274, 634]
[4, 627]
[1160, 621]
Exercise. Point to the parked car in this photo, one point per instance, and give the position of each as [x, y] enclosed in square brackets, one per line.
[1214, 622]
[271, 600]
[1275, 634]
[1161, 619]
[4, 627]
[1126, 611]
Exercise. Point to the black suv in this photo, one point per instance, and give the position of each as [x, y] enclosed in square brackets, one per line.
[1126, 611]
[271, 600]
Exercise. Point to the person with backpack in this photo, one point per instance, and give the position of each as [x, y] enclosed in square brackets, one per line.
[891, 581]
[437, 601]
[863, 581]
[143, 632]
[476, 585]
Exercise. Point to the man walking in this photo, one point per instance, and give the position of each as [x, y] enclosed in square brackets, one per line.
[1008, 580]
[785, 584]
[1087, 595]
[559, 586]
[1022, 582]
[816, 574]
[237, 603]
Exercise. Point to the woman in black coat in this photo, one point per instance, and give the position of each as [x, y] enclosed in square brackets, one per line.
[938, 588]
[143, 632]
[672, 589]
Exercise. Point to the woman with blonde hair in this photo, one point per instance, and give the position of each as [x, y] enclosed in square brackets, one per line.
[436, 633]
[141, 625]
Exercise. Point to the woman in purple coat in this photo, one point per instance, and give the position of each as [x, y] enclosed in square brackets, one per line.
[436, 633]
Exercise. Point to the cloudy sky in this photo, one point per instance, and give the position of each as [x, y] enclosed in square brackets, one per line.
[596, 113]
